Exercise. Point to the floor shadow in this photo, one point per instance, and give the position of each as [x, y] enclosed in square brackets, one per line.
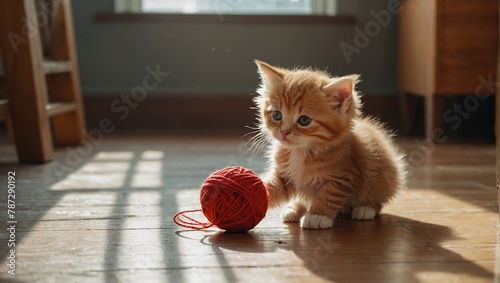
[33, 196]
[250, 242]
[390, 248]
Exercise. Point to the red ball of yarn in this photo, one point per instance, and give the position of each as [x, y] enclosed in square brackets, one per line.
[234, 199]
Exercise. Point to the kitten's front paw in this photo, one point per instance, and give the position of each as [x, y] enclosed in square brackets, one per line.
[316, 221]
[291, 214]
[363, 213]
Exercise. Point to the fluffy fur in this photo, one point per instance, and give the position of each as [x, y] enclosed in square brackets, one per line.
[324, 157]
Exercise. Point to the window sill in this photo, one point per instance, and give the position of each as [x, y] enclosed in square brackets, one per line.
[214, 18]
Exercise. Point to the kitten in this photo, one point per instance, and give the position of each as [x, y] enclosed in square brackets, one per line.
[325, 158]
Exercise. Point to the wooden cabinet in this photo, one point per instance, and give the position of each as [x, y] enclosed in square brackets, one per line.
[445, 47]
[497, 128]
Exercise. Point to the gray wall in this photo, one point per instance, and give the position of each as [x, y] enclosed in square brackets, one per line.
[218, 58]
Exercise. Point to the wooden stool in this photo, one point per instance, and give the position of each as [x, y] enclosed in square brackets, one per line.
[40, 89]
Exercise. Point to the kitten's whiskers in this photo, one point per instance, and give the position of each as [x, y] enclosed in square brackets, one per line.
[257, 142]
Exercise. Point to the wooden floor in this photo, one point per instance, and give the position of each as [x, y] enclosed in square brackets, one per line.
[104, 215]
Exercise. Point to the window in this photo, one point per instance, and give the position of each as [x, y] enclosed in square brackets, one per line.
[229, 6]
[238, 7]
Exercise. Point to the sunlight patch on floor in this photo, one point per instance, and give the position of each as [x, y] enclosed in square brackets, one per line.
[95, 175]
[115, 170]
[147, 174]
[114, 155]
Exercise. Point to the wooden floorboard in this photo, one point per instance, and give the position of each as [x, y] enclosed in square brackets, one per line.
[104, 215]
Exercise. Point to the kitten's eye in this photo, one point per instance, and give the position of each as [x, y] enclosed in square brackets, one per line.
[277, 115]
[304, 120]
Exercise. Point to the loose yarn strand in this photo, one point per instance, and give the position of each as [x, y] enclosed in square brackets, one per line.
[190, 222]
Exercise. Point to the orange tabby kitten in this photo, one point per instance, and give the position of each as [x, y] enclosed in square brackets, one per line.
[325, 158]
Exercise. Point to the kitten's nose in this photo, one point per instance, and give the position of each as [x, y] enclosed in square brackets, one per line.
[285, 133]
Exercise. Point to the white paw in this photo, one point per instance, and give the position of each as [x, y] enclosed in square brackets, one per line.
[290, 215]
[363, 213]
[316, 221]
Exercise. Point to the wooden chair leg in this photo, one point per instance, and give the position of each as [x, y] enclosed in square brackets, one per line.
[10, 130]
[25, 80]
[408, 110]
[433, 114]
[69, 128]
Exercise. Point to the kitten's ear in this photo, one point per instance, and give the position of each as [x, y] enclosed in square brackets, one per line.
[270, 76]
[339, 92]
